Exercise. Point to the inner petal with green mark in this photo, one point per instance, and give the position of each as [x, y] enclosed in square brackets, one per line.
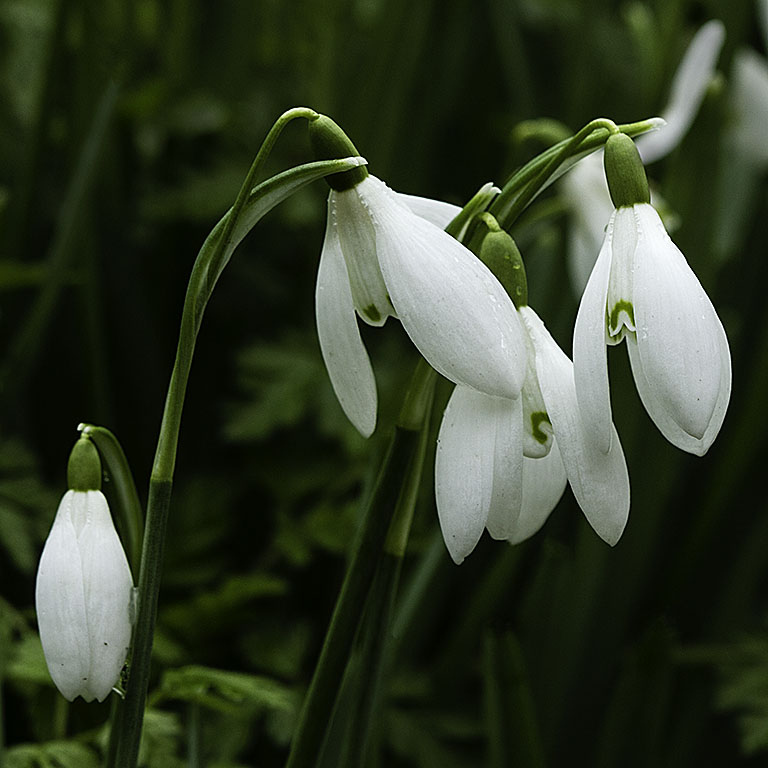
[621, 321]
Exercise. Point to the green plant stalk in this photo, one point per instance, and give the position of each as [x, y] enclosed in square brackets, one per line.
[370, 542]
[25, 346]
[534, 176]
[130, 513]
[513, 732]
[130, 719]
[375, 654]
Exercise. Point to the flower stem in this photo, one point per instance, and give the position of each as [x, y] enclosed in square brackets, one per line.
[534, 176]
[393, 484]
[204, 273]
[129, 507]
[524, 185]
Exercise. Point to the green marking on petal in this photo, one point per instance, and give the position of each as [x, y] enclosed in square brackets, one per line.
[537, 418]
[614, 324]
[372, 313]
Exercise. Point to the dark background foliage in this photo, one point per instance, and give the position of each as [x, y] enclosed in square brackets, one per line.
[126, 129]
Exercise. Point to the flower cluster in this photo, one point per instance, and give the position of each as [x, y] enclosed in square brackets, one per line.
[523, 419]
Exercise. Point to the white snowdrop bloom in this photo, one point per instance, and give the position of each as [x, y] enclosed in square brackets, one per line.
[83, 596]
[584, 188]
[642, 290]
[503, 464]
[381, 259]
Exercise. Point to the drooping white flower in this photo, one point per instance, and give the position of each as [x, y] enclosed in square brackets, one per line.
[503, 464]
[642, 290]
[83, 596]
[381, 259]
[584, 188]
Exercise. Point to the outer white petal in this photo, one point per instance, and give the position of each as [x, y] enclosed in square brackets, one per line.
[589, 349]
[450, 304]
[544, 481]
[688, 88]
[436, 211]
[349, 367]
[60, 605]
[464, 468]
[600, 481]
[507, 496]
[108, 587]
[682, 363]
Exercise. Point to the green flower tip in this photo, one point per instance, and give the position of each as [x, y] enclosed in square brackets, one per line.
[499, 252]
[329, 142]
[84, 468]
[624, 171]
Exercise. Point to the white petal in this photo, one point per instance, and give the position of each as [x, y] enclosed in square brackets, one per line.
[349, 216]
[450, 304]
[600, 481]
[349, 367]
[464, 468]
[589, 349]
[682, 363]
[544, 481]
[688, 88]
[60, 605]
[748, 126]
[436, 211]
[108, 587]
[507, 496]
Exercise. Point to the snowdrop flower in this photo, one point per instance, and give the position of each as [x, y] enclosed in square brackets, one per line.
[386, 255]
[502, 464]
[84, 587]
[642, 290]
[584, 187]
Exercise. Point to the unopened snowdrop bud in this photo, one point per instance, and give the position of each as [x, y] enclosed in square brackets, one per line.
[387, 255]
[84, 587]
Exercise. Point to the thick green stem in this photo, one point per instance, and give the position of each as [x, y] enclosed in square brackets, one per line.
[393, 486]
[206, 269]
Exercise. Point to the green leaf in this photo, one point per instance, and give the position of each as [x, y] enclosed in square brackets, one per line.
[235, 693]
[54, 754]
[27, 662]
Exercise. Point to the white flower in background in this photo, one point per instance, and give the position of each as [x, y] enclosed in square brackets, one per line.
[502, 464]
[642, 290]
[83, 595]
[381, 259]
[584, 187]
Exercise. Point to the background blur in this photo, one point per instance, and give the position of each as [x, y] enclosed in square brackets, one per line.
[126, 128]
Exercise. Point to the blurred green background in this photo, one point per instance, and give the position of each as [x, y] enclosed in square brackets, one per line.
[126, 128]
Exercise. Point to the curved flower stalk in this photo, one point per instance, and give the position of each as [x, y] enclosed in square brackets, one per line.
[503, 464]
[584, 188]
[642, 290]
[83, 596]
[382, 259]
